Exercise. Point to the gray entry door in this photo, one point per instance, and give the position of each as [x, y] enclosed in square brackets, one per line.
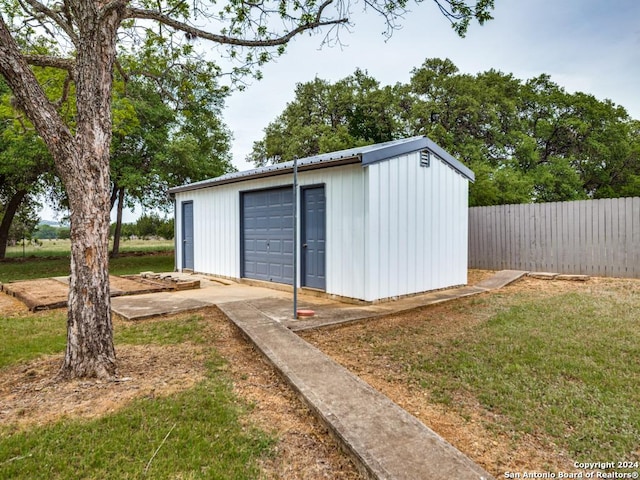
[267, 235]
[187, 235]
[313, 237]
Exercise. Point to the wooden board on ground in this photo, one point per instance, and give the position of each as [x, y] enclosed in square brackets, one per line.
[39, 294]
[133, 285]
[47, 293]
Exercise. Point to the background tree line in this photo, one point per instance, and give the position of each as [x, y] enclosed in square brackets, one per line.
[29, 228]
[167, 130]
[147, 226]
[526, 140]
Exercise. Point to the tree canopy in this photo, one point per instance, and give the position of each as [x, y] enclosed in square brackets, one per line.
[167, 127]
[527, 141]
[25, 166]
[167, 131]
[325, 117]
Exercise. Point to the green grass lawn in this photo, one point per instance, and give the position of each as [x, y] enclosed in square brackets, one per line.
[202, 432]
[27, 337]
[47, 248]
[206, 440]
[564, 366]
[52, 260]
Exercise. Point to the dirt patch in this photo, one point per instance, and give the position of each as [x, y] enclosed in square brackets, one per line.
[39, 294]
[29, 397]
[305, 450]
[11, 307]
[474, 277]
[133, 285]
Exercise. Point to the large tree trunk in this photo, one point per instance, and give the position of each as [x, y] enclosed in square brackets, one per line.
[90, 350]
[7, 219]
[115, 250]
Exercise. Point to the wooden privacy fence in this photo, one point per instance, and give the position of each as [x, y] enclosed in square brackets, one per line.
[591, 237]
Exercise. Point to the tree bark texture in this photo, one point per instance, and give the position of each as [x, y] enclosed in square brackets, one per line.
[90, 351]
[82, 162]
[7, 219]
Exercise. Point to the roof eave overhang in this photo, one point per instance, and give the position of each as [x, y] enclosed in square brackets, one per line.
[366, 156]
[302, 167]
[381, 154]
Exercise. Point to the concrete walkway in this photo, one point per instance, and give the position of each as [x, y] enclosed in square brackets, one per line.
[385, 441]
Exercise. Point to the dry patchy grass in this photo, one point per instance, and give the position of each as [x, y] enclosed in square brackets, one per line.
[451, 366]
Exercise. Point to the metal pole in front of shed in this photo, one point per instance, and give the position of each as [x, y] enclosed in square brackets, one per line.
[295, 238]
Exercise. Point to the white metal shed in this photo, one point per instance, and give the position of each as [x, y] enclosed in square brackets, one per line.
[374, 222]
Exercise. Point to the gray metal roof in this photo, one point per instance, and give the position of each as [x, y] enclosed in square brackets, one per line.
[364, 155]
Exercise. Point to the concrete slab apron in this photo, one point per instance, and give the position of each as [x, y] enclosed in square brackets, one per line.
[151, 305]
[385, 440]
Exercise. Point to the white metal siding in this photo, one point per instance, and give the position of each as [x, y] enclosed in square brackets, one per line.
[345, 192]
[417, 227]
[393, 227]
[217, 225]
[216, 231]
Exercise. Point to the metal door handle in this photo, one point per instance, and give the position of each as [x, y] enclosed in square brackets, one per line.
[304, 245]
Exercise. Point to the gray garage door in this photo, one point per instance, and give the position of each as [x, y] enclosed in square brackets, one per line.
[267, 235]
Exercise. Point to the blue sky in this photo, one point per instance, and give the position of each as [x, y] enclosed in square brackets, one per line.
[585, 45]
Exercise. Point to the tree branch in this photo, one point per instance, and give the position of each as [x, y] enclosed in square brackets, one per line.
[228, 40]
[30, 96]
[56, 17]
[51, 61]
[460, 14]
[65, 91]
[112, 5]
[125, 76]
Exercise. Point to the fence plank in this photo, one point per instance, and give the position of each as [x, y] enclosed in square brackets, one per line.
[568, 258]
[601, 229]
[635, 242]
[587, 212]
[616, 241]
[595, 237]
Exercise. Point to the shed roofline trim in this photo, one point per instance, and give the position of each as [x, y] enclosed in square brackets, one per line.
[365, 155]
[413, 145]
[288, 169]
[395, 150]
[447, 157]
